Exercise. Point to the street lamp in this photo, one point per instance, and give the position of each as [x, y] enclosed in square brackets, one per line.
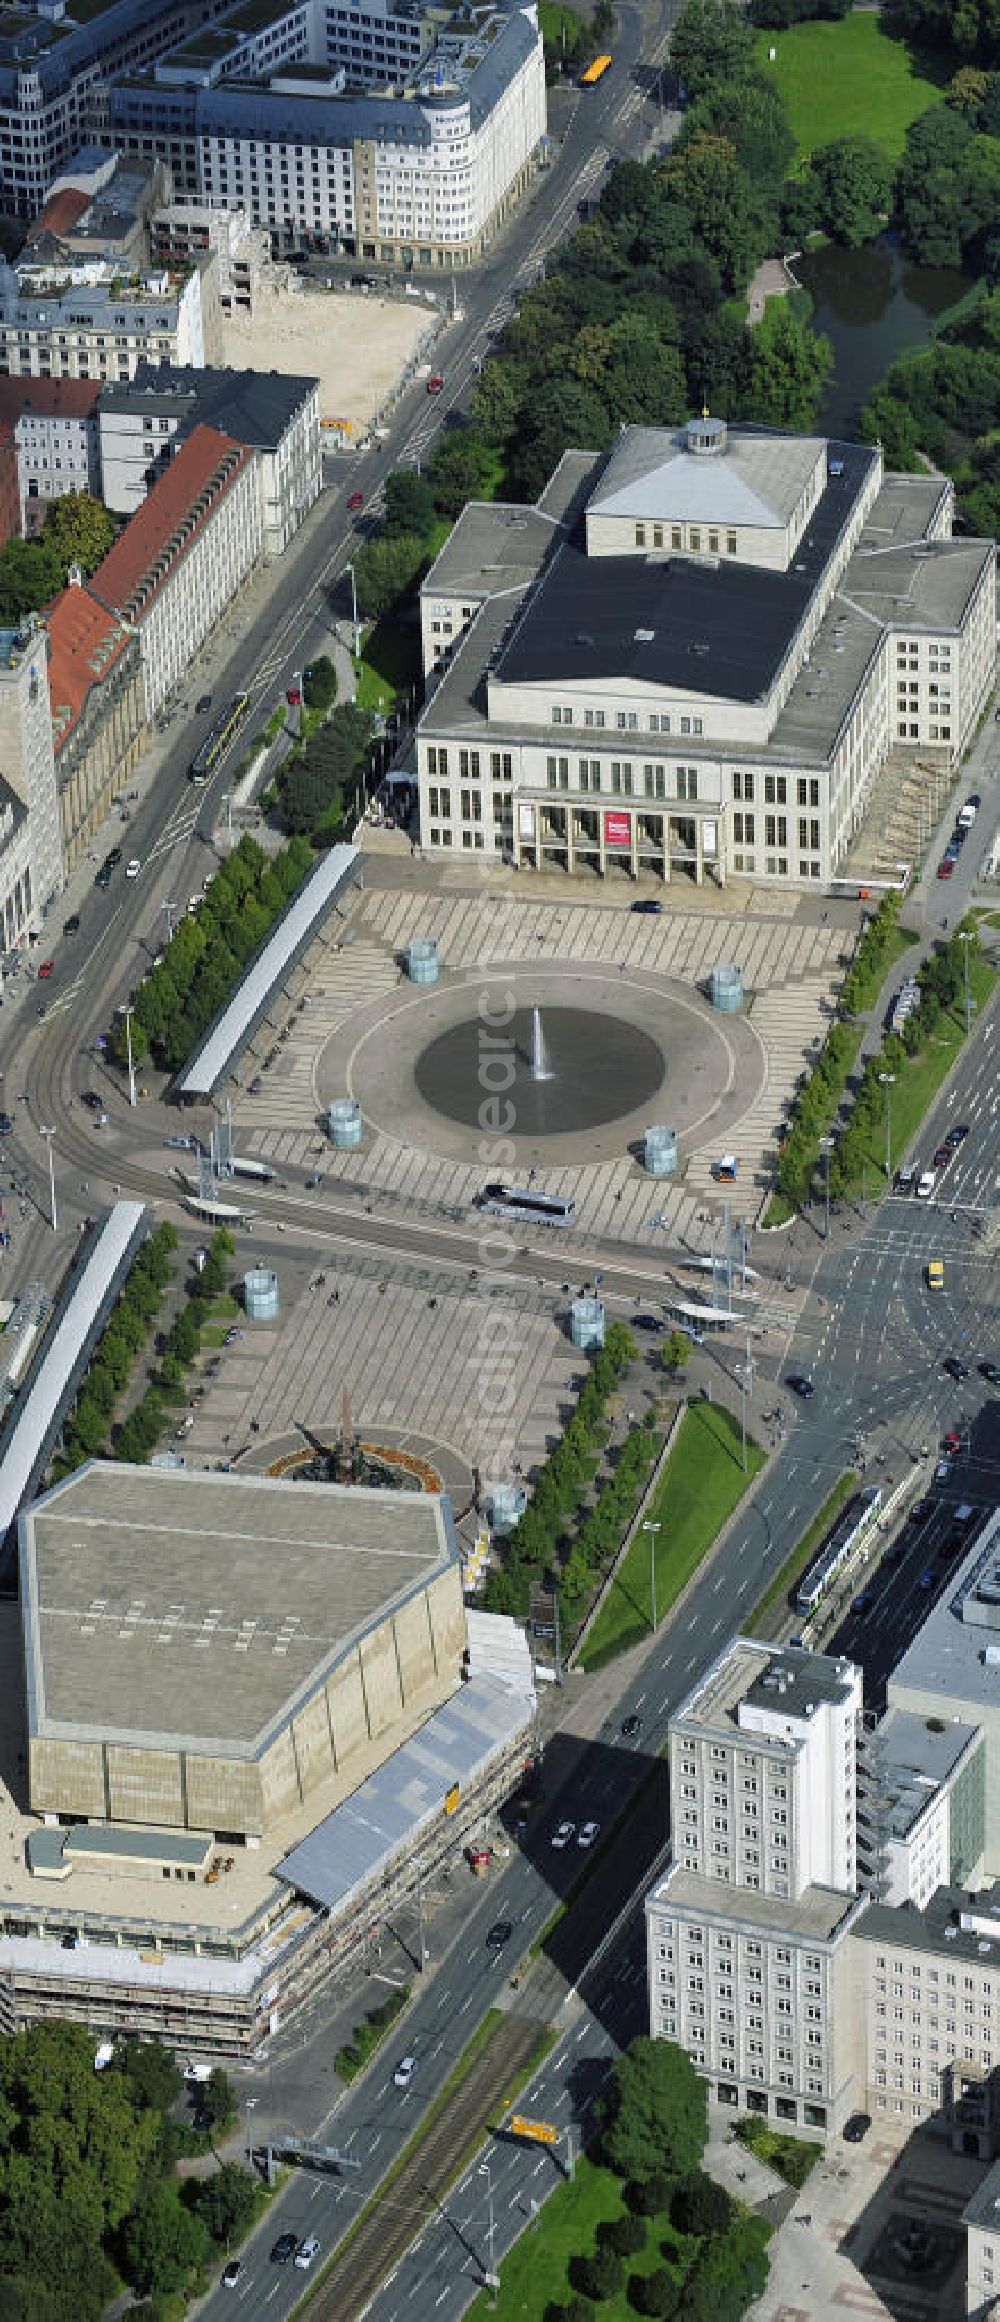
[888, 1082]
[169, 908]
[354, 607]
[652, 1529]
[747, 1390]
[128, 1013]
[491, 2278]
[826, 1147]
[48, 1134]
[965, 938]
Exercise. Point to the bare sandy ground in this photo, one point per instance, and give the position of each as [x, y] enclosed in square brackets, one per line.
[355, 345]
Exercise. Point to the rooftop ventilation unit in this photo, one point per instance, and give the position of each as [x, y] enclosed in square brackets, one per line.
[644, 636]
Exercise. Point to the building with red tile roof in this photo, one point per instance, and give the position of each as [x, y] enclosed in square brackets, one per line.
[98, 710]
[175, 569]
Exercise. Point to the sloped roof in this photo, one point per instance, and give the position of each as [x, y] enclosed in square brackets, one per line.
[49, 398]
[85, 640]
[169, 519]
[757, 480]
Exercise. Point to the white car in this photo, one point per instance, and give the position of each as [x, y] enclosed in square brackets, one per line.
[133, 868]
[562, 1836]
[306, 2252]
[404, 2071]
[587, 1834]
[925, 1185]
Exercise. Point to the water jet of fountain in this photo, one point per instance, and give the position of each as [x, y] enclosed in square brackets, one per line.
[541, 1068]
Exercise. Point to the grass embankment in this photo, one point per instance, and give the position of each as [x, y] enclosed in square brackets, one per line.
[850, 79]
[534, 2272]
[765, 1618]
[702, 1483]
[917, 1085]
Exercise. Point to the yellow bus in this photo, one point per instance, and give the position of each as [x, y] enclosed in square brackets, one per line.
[593, 72]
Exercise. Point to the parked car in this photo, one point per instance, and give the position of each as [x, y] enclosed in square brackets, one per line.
[71, 926]
[133, 868]
[113, 858]
[45, 969]
[6, 1125]
[650, 904]
[856, 2129]
[946, 867]
[562, 1835]
[587, 1833]
[967, 813]
[293, 696]
[203, 703]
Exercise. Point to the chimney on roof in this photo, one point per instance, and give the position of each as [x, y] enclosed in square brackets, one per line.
[74, 577]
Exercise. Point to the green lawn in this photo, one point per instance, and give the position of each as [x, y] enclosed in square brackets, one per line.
[917, 1085]
[534, 2272]
[848, 80]
[766, 1617]
[701, 1485]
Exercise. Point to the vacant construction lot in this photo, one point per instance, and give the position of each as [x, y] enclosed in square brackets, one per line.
[355, 345]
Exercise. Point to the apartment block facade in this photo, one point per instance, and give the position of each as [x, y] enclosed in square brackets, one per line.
[82, 322]
[186, 554]
[31, 868]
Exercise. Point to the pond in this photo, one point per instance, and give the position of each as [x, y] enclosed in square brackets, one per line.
[872, 304]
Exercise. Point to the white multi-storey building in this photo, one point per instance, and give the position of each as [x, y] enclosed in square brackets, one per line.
[417, 168]
[30, 851]
[177, 566]
[83, 322]
[275, 414]
[54, 424]
[693, 657]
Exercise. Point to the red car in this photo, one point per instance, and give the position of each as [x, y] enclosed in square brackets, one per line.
[356, 501]
[946, 867]
[294, 697]
[46, 967]
[952, 1441]
[435, 383]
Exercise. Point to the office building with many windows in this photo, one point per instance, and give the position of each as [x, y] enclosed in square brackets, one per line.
[413, 167]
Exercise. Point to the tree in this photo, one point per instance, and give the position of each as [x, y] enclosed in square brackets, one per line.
[599, 2276]
[710, 43]
[409, 504]
[750, 112]
[855, 179]
[151, 2072]
[226, 2203]
[699, 2205]
[788, 367]
[675, 1351]
[165, 2242]
[657, 2294]
[218, 2099]
[30, 576]
[384, 569]
[320, 683]
[79, 530]
[656, 2114]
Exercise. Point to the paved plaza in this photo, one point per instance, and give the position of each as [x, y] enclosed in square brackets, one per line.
[462, 1376]
[358, 1037]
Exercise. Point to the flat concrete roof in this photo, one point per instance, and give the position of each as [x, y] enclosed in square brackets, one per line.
[816, 1913]
[983, 2206]
[938, 1927]
[494, 545]
[917, 1755]
[741, 1672]
[945, 1660]
[189, 1610]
